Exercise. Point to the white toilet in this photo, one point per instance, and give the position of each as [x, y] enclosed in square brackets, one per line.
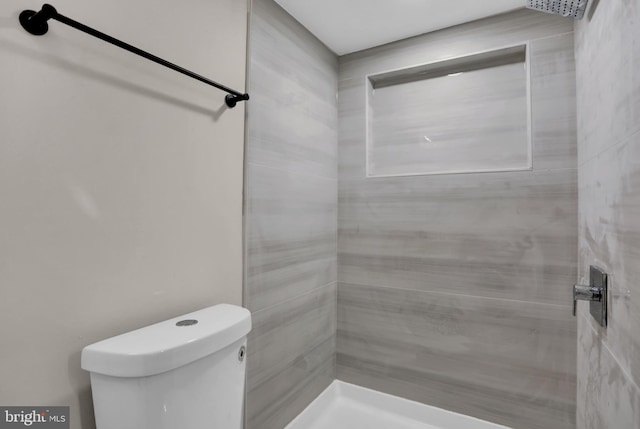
[184, 373]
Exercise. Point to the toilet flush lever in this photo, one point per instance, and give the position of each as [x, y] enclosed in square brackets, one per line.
[595, 293]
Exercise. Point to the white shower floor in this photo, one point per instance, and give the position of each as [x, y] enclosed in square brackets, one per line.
[345, 406]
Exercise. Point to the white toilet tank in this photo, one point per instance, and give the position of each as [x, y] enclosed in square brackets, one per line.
[184, 373]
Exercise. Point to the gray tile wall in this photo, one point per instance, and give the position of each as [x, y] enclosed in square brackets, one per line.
[454, 290]
[608, 81]
[291, 217]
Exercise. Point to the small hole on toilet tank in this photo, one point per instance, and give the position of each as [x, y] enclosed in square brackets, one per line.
[187, 322]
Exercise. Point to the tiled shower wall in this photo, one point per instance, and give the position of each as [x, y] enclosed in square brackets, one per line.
[291, 217]
[455, 290]
[608, 77]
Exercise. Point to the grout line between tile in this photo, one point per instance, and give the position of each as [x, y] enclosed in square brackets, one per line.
[286, 170]
[621, 142]
[314, 290]
[605, 344]
[460, 295]
[553, 35]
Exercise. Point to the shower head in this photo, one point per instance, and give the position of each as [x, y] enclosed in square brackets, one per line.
[568, 8]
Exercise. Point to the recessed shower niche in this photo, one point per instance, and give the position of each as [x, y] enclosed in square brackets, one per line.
[467, 114]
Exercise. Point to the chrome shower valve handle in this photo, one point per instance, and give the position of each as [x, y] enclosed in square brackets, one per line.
[595, 293]
[586, 293]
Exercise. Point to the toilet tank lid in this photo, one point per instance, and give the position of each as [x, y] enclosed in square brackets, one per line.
[168, 345]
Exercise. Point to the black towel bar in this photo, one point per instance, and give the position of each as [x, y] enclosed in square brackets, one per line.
[36, 24]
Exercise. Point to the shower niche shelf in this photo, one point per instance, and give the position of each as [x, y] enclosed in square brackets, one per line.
[468, 114]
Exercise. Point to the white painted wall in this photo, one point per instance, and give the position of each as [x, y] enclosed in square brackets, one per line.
[120, 183]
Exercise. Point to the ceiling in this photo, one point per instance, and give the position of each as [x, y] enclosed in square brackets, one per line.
[347, 26]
